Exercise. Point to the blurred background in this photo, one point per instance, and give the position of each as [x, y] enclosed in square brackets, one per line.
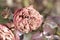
[43, 6]
[46, 8]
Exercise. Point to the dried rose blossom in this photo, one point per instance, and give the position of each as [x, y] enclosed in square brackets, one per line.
[49, 26]
[38, 36]
[11, 26]
[5, 33]
[27, 19]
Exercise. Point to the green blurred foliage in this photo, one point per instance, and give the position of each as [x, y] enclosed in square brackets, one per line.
[2, 20]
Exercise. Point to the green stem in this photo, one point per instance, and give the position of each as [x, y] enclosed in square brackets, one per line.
[25, 3]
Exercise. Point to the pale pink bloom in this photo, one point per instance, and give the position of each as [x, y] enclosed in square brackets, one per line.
[5, 33]
[27, 19]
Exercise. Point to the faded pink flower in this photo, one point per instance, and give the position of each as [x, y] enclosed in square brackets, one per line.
[27, 19]
[49, 26]
[5, 33]
[11, 26]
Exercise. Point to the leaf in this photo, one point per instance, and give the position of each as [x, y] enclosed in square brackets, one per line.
[3, 21]
[1, 8]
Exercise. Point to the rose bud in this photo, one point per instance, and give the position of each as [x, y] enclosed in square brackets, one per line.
[5, 33]
[27, 19]
[5, 13]
[38, 36]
